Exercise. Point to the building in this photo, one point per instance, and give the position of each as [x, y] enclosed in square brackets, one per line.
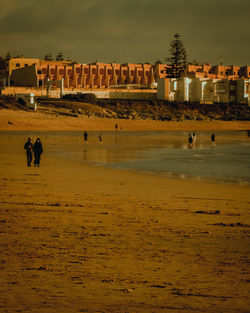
[202, 83]
[204, 90]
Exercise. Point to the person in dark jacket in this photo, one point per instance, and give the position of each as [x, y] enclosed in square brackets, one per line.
[85, 135]
[29, 151]
[38, 150]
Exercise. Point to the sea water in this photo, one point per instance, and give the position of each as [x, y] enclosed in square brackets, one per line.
[166, 153]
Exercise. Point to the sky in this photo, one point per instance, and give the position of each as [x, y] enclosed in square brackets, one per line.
[126, 31]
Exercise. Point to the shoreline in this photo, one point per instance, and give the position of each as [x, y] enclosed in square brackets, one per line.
[32, 121]
[143, 243]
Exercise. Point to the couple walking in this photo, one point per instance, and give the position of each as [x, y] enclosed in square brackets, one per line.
[37, 149]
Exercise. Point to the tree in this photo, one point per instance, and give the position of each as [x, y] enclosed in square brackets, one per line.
[8, 57]
[178, 58]
[48, 57]
[158, 62]
[59, 57]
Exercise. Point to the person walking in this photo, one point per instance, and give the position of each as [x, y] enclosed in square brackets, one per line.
[194, 137]
[100, 138]
[85, 135]
[190, 140]
[213, 138]
[38, 150]
[29, 151]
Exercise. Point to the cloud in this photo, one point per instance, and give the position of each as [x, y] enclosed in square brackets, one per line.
[126, 30]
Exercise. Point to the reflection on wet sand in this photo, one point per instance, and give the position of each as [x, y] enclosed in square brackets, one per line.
[169, 153]
[164, 153]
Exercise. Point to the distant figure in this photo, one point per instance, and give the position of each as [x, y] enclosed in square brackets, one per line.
[190, 140]
[116, 126]
[85, 135]
[38, 150]
[29, 151]
[194, 137]
[213, 138]
[100, 137]
[248, 133]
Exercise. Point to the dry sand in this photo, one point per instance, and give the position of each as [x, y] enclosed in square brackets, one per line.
[39, 121]
[79, 238]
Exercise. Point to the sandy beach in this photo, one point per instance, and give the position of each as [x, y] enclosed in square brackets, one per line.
[80, 238]
[21, 120]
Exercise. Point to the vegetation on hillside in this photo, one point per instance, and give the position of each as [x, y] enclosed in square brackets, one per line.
[77, 106]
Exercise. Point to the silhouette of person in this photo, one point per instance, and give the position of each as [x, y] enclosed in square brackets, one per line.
[38, 150]
[194, 137]
[213, 138]
[100, 137]
[190, 140]
[85, 135]
[29, 151]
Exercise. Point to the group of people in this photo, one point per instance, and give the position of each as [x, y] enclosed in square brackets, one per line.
[35, 149]
[192, 139]
[85, 136]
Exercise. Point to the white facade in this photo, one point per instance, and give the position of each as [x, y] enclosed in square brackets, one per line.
[204, 90]
[243, 91]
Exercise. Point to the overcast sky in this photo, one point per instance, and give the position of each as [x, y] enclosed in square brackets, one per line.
[124, 31]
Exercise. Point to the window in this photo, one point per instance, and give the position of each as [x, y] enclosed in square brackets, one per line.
[18, 65]
[26, 65]
[39, 72]
[61, 71]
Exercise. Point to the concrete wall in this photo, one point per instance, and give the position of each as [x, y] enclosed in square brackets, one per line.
[243, 91]
[14, 90]
[136, 94]
[207, 91]
[163, 88]
[221, 91]
[25, 76]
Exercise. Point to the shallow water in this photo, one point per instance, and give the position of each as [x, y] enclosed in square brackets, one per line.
[161, 152]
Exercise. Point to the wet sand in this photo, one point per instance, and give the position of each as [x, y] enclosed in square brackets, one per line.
[79, 238]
